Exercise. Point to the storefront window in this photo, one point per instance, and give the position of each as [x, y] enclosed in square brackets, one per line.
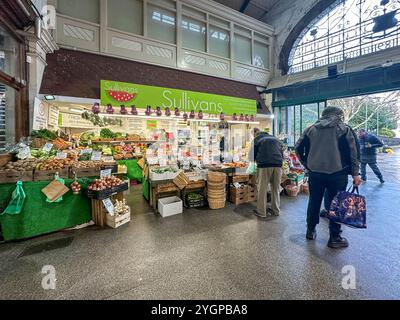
[7, 116]
[310, 115]
[290, 122]
[261, 55]
[219, 42]
[9, 54]
[242, 47]
[88, 10]
[161, 24]
[298, 130]
[290, 127]
[193, 34]
[126, 15]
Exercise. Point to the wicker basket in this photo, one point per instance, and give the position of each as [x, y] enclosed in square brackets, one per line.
[215, 185]
[38, 143]
[292, 191]
[216, 177]
[216, 204]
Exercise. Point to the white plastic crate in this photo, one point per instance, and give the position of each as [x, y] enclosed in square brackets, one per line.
[170, 206]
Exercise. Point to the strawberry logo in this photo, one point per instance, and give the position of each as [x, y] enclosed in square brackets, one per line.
[121, 96]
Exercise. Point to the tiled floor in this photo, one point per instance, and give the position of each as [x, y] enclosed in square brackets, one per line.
[224, 254]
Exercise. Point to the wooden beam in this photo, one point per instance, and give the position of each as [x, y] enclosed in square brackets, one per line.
[10, 81]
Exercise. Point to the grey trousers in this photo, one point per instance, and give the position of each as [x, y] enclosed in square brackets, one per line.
[269, 177]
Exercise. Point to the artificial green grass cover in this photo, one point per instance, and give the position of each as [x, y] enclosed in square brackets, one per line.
[134, 171]
[39, 217]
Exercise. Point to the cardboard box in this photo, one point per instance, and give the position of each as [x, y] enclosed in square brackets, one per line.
[170, 206]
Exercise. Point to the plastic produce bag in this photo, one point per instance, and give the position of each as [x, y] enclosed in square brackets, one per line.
[17, 200]
[252, 169]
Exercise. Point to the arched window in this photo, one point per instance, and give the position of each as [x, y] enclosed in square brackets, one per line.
[346, 30]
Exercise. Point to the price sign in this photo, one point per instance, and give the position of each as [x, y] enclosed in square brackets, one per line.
[24, 153]
[105, 173]
[108, 159]
[96, 156]
[186, 165]
[236, 158]
[86, 151]
[163, 162]
[47, 147]
[61, 155]
[109, 206]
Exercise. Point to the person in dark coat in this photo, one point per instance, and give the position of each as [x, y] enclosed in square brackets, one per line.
[328, 150]
[267, 152]
[369, 143]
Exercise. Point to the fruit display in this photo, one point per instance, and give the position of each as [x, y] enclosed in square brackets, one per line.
[76, 187]
[238, 165]
[54, 164]
[20, 166]
[105, 183]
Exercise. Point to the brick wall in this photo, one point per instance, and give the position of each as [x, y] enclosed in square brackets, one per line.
[78, 74]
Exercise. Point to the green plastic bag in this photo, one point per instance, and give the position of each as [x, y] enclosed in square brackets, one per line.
[17, 200]
[252, 169]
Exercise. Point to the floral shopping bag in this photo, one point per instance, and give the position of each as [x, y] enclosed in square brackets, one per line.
[349, 208]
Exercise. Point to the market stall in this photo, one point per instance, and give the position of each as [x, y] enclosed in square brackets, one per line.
[96, 152]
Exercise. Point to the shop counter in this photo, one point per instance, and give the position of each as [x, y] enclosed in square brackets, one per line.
[39, 217]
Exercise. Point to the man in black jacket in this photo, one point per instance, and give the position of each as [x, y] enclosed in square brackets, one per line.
[328, 150]
[369, 143]
[267, 152]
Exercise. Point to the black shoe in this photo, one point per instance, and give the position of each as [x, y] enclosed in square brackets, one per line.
[337, 242]
[311, 234]
[382, 181]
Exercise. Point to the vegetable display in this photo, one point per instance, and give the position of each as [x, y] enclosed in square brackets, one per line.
[20, 166]
[54, 164]
[44, 134]
[105, 183]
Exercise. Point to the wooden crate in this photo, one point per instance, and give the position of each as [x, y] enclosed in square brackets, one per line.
[196, 185]
[13, 177]
[252, 194]
[99, 212]
[166, 187]
[118, 221]
[42, 175]
[240, 178]
[238, 196]
[84, 172]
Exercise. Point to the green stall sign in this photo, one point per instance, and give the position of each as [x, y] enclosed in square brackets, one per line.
[119, 93]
